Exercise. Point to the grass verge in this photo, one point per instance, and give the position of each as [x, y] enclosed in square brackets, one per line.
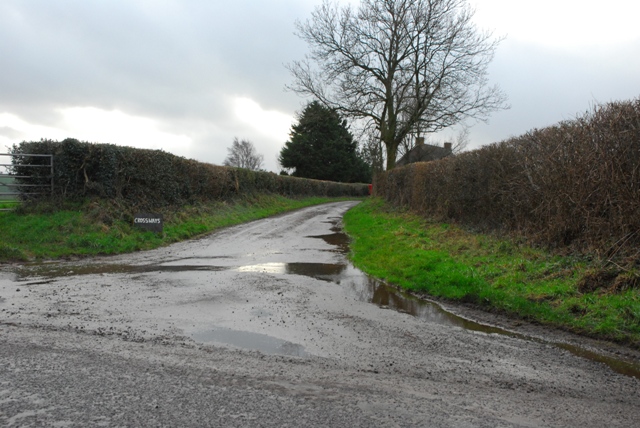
[102, 227]
[448, 262]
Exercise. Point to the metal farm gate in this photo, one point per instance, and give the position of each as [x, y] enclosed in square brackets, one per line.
[14, 188]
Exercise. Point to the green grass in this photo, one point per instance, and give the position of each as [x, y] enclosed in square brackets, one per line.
[8, 205]
[6, 201]
[448, 262]
[100, 227]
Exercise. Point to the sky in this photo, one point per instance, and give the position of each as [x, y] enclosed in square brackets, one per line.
[189, 76]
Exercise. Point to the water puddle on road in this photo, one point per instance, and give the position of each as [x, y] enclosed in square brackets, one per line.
[252, 341]
[322, 271]
[52, 271]
[339, 240]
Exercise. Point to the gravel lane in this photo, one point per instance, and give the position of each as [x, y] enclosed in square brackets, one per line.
[267, 324]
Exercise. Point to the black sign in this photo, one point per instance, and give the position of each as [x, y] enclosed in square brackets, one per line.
[149, 221]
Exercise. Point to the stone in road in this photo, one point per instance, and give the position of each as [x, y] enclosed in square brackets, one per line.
[265, 324]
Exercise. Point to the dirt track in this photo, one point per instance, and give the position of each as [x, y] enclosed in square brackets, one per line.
[266, 324]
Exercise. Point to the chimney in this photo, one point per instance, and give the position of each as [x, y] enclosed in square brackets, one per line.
[447, 147]
[419, 141]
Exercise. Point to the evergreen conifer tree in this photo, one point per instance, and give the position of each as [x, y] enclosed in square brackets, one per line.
[321, 147]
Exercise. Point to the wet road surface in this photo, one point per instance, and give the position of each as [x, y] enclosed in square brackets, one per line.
[267, 324]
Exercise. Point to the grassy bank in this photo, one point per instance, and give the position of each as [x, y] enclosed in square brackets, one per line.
[102, 227]
[448, 262]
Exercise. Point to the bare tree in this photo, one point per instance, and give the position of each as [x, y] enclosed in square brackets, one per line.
[461, 142]
[372, 151]
[243, 154]
[401, 66]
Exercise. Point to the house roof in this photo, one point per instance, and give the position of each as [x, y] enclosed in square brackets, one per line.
[424, 153]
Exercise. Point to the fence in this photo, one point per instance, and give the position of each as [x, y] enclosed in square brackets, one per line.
[19, 187]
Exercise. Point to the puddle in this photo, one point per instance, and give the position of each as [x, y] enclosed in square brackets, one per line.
[339, 240]
[253, 341]
[626, 368]
[322, 271]
[371, 290]
[56, 271]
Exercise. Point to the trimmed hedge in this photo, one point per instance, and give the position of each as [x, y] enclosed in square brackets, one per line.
[149, 179]
[574, 186]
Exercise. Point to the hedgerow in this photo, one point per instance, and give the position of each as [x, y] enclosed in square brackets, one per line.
[149, 179]
[572, 186]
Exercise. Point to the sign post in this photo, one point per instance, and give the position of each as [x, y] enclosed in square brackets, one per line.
[149, 221]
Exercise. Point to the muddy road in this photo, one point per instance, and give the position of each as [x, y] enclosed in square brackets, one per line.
[267, 324]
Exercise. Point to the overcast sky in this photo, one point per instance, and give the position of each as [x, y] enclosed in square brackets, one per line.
[187, 76]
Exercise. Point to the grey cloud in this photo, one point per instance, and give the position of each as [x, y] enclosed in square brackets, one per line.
[9, 132]
[118, 54]
[547, 86]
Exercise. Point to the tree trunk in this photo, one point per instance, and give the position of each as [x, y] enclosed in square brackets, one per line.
[392, 151]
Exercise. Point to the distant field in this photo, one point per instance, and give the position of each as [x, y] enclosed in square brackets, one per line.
[4, 189]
